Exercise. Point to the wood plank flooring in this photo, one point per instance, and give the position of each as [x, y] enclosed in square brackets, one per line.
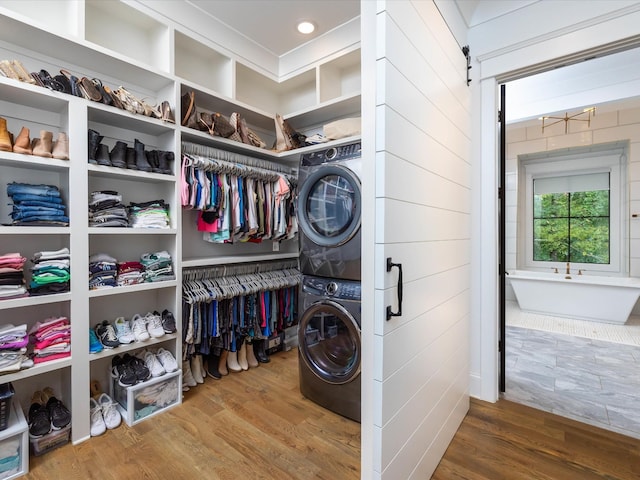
[256, 425]
[253, 425]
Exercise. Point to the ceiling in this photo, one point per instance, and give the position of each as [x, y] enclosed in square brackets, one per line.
[271, 24]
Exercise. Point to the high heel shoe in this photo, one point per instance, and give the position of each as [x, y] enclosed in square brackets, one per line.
[167, 114]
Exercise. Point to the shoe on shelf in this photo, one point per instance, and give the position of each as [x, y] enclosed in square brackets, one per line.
[153, 364]
[123, 372]
[43, 146]
[95, 389]
[110, 413]
[94, 342]
[167, 360]
[141, 371]
[59, 414]
[23, 142]
[98, 427]
[168, 322]
[123, 331]
[107, 335]
[154, 325]
[38, 417]
[5, 137]
[61, 147]
[139, 327]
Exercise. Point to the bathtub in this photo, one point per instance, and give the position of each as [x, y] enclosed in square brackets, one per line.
[584, 297]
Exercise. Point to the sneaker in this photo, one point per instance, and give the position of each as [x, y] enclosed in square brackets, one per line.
[153, 364]
[139, 327]
[140, 370]
[168, 322]
[167, 360]
[123, 372]
[107, 335]
[154, 325]
[123, 331]
[110, 413]
[39, 421]
[98, 427]
[94, 342]
[59, 414]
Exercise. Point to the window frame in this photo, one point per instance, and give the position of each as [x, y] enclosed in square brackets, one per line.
[610, 162]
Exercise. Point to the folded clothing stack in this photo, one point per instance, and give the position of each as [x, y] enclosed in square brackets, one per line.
[51, 339]
[10, 459]
[106, 210]
[13, 348]
[37, 205]
[103, 270]
[152, 214]
[129, 273]
[12, 276]
[50, 273]
[158, 266]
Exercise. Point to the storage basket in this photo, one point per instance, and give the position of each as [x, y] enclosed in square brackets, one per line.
[6, 394]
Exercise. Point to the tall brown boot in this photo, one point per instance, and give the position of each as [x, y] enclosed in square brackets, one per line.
[5, 140]
[61, 147]
[23, 142]
[42, 146]
[222, 366]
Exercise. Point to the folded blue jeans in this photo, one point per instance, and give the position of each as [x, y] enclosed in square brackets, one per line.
[26, 197]
[14, 187]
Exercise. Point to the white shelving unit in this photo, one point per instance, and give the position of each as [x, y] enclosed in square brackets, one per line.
[90, 38]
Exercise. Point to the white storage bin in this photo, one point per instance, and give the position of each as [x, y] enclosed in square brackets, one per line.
[149, 398]
[14, 446]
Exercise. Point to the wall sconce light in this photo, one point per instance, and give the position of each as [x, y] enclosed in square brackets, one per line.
[567, 118]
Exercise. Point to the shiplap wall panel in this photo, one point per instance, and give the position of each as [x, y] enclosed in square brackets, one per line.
[423, 193]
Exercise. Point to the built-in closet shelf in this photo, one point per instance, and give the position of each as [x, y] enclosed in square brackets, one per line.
[38, 300]
[123, 119]
[125, 174]
[203, 138]
[35, 230]
[73, 51]
[132, 346]
[37, 369]
[318, 115]
[104, 292]
[229, 259]
[131, 231]
[294, 155]
[31, 161]
[29, 95]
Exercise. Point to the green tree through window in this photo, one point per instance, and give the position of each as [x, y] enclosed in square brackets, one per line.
[572, 227]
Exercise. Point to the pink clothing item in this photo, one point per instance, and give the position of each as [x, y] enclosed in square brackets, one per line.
[206, 227]
[48, 358]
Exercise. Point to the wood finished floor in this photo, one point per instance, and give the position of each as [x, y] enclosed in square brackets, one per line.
[251, 425]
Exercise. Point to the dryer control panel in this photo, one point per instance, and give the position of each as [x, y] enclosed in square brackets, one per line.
[330, 288]
[333, 154]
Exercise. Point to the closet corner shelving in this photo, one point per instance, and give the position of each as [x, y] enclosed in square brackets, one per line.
[93, 39]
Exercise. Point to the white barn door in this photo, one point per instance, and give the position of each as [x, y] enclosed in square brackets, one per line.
[416, 132]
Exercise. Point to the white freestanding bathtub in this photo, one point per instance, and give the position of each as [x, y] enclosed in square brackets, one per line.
[584, 297]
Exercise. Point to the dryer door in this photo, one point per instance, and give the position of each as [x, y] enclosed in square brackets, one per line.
[329, 342]
[329, 205]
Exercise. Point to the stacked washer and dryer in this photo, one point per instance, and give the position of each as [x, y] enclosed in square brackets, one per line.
[329, 345]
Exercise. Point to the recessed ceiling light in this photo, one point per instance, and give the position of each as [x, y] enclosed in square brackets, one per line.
[306, 27]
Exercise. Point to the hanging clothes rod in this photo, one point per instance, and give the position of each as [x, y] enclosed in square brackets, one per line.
[231, 157]
[200, 273]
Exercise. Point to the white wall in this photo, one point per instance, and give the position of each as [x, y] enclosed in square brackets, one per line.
[540, 34]
[422, 214]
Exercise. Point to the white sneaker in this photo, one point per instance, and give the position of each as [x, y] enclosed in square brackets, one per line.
[98, 427]
[123, 331]
[153, 364]
[110, 413]
[139, 327]
[154, 325]
[167, 360]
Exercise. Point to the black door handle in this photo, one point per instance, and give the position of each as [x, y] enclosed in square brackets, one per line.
[391, 313]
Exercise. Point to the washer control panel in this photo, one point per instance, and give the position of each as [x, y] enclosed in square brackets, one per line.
[333, 154]
[332, 288]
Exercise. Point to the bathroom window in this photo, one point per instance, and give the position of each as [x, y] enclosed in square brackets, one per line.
[572, 209]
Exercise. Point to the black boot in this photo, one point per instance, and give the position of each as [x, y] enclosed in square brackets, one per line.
[165, 159]
[94, 140]
[141, 158]
[131, 158]
[212, 366]
[119, 155]
[260, 349]
[102, 157]
[152, 158]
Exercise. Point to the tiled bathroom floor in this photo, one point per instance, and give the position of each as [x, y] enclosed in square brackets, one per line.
[586, 379]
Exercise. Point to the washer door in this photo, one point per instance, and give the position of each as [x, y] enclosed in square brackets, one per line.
[329, 342]
[329, 206]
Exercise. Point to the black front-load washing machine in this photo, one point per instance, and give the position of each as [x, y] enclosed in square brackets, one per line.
[328, 209]
[329, 345]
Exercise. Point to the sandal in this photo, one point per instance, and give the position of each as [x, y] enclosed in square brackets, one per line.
[167, 114]
[74, 82]
[114, 98]
[131, 103]
[89, 90]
